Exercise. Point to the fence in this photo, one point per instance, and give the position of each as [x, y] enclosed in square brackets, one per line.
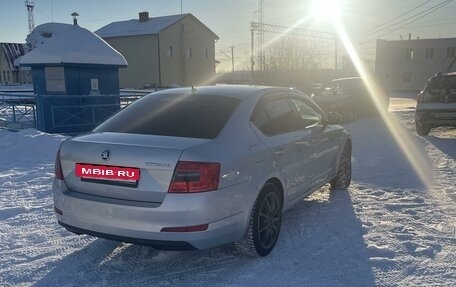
[18, 108]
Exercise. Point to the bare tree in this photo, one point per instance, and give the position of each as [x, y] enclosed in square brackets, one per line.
[291, 53]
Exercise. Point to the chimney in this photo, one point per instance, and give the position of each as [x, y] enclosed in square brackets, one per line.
[410, 36]
[143, 16]
[75, 18]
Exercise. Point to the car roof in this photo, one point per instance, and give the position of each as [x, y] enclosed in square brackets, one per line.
[236, 91]
[347, 79]
[443, 75]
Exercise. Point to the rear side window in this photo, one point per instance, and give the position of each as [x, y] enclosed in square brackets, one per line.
[275, 117]
[194, 116]
[309, 116]
[440, 90]
[442, 83]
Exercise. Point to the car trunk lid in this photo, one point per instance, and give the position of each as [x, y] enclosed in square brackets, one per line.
[154, 158]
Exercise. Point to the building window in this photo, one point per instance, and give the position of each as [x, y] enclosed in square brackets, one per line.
[4, 76]
[451, 52]
[170, 51]
[189, 52]
[409, 54]
[408, 77]
[429, 53]
[8, 76]
[206, 53]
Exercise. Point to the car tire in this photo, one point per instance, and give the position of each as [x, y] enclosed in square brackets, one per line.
[264, 223]
[422, 130]
[344, 171]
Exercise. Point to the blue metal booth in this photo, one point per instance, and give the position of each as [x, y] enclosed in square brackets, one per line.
[76, 81]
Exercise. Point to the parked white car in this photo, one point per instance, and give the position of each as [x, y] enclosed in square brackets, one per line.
[197, 168]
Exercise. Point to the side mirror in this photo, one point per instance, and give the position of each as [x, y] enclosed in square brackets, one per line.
[334, 118]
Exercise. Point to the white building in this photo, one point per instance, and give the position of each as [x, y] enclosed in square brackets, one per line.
[408, 64]
[163, 51]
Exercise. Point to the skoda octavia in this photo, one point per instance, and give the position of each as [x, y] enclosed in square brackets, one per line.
[200, 167]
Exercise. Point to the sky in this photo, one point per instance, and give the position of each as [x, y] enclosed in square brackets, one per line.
[230, 20]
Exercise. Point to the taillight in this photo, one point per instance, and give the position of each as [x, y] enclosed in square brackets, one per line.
[195, 177]
[58, 167]
[420, 97]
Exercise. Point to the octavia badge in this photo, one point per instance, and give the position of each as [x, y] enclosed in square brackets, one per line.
[105, 154]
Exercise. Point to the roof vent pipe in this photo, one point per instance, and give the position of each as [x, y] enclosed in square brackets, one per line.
[143, 16]
[75, 18]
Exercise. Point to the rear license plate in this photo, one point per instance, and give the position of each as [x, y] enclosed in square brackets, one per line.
[450, 115]
[107, 172]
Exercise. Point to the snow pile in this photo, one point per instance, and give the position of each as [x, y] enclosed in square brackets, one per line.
[27, 147]
[386, 230]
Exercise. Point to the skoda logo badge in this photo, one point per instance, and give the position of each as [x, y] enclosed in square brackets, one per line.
[105, 154]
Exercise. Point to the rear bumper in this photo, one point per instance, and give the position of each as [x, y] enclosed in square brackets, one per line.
[157, 244]
[436, 118]
[226, 211]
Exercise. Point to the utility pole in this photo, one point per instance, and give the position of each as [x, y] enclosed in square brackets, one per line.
[232, 60]
[252, 54]
[335, 59]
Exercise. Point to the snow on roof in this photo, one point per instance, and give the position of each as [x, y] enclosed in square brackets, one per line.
[74, 45]
[135, 27]
[44, 32]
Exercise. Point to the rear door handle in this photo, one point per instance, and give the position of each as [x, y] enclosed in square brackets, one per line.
[279, 151]
[303, 143]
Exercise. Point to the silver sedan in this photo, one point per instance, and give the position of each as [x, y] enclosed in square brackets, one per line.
[196, 168]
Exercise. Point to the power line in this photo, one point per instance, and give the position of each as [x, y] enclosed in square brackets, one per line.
[429, 11]
[419, 16]
[432, 25]
[391, 20]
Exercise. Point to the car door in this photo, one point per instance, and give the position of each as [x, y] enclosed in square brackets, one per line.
[279, 128]
[324, 144]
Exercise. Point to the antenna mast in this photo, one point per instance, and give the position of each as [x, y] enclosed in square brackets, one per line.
[261, 58]
[31, 21]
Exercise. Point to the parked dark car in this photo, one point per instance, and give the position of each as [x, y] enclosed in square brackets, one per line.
[436, 104]
[348, 97]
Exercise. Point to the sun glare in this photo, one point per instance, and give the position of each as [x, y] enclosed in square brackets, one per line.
[326, 10]
[405, 140]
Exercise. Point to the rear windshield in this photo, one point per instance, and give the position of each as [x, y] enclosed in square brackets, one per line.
[351, 87]
[442, 83]
[194, 116]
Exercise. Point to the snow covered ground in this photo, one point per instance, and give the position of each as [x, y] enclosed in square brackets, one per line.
[388, 229]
